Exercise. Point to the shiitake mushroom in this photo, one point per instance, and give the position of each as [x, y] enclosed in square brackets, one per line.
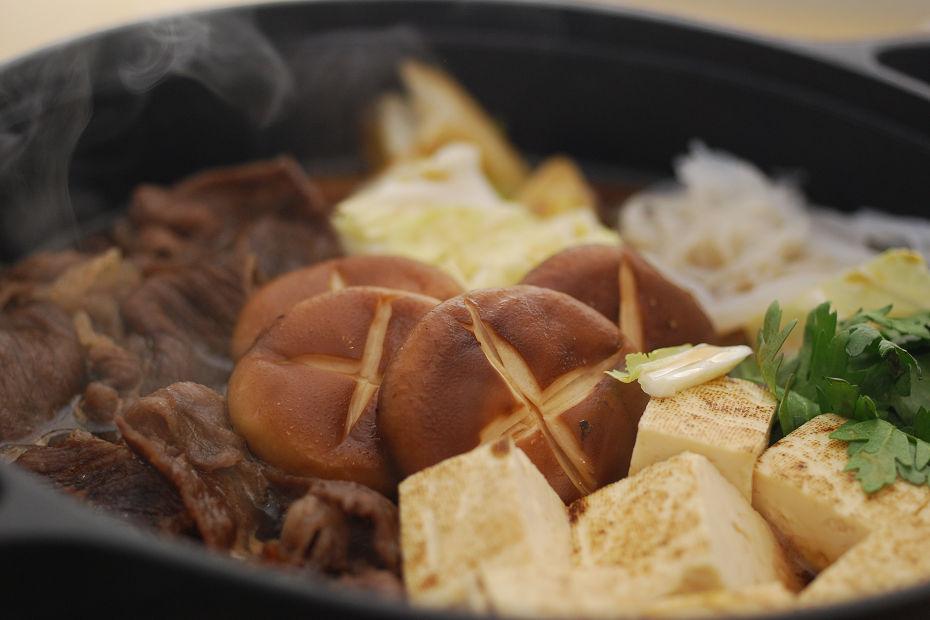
[276, 297]
[522, 361]
[370, 384]
[651, 311]
[589, 273]
[304, 396]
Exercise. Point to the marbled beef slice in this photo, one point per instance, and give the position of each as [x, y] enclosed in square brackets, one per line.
[183, 431]
[234, 209]
[109, 476]
[184, 318]
[243, 505]
[42, 367]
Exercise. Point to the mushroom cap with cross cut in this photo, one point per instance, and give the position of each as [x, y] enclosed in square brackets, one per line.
[521, 361]
[651, 310]
[280, 295]
[305, 394]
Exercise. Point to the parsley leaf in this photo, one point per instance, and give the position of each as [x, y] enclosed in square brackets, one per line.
[875, 450]
[870, 368]
[771, 340]
[922, 424]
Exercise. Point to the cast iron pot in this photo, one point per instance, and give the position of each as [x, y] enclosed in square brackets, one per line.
[623, 91]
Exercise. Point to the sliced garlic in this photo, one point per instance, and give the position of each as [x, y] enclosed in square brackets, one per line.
[669, 375]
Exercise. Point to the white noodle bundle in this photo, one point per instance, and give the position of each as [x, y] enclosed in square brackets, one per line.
[734, 237]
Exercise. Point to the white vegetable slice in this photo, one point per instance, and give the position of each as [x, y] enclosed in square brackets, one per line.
[667, 374]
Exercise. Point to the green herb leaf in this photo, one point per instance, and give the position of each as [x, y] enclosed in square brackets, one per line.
[907, 406]
[912, 474]
[861, 338]
[875, 451]
[900, 330]
[865, 409]
[748, 370]
[921, 454]
[863, 368]
[922, 424]
[771, 340]
[795, 410]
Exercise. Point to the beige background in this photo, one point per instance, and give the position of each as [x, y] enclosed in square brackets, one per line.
[26, 24]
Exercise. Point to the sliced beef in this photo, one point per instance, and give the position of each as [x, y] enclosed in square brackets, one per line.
[111, 477]
[41, 267]
[373, 518]
[245, 191]
[183, 430]
[280, 245]
[184, 319]
[96, 286]
[114, 375]
[337, 526]
[315, 534]
[32, 272]
[42, 367]
[242, 505]
[211, 211]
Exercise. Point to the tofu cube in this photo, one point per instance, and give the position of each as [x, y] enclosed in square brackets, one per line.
[727, 420]
[608, 592]
[573, 592]
[681, 523]
[890, 558]
[761, 598]
[490, 506]
[820, 510]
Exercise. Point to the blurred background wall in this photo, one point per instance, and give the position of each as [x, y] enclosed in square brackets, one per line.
[25, 24]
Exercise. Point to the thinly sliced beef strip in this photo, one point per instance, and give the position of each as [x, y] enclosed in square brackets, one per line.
[114, 376]
[90, 289]
[369, 526]
[315, 534]
[77, 282]
[95, 286]
[185, 317]
[280, 245]
[41, 267]
[42, 367]
[242, 505]
[34, 271]
[211, 211]
[109, 476]
[184, 432]
[277, 185]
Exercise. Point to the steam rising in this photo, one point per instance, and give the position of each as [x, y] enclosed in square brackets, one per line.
[43, 110]
[46, 103]
[343, 72]
[224, 53]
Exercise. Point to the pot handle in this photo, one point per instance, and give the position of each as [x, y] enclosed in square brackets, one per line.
[903, 61]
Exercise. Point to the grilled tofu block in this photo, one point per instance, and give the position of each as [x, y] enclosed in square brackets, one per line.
[890, 558]
[564, 592]
[678, 522]
[766, 597]
[487, 507]
[727, 420]
[799, 486]
[609, 592]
